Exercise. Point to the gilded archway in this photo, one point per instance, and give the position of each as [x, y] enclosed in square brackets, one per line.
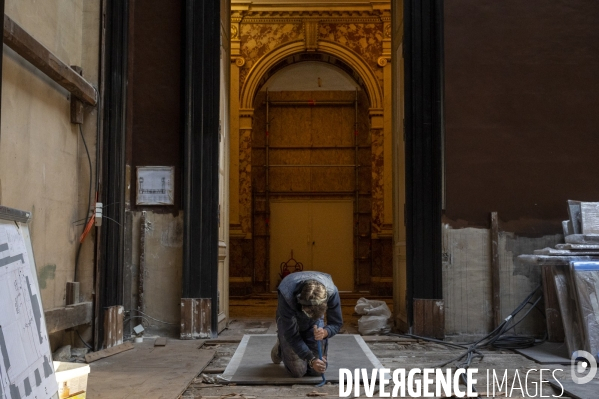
[357, 63]
[266, 39]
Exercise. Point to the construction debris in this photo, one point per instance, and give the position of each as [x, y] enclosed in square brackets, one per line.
[571, 279]
[315, 394]
[376, 317]
[62, 354]
[92, 357]
[208, 379]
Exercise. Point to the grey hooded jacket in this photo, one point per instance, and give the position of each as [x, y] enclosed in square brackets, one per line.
[294, 324]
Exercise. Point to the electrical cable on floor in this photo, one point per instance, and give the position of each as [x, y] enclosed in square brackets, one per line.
[438, 341]
[494, 339]
[497, 339]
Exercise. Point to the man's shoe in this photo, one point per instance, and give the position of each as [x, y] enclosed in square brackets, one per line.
[275, 353]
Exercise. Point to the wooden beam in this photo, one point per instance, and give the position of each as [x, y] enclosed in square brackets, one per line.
[495, 270]
[92, 357]
[195, 318]
[113, 326]
[76, 104]
[72, 293]
[429, 318]
[59, 319]
[33, 51]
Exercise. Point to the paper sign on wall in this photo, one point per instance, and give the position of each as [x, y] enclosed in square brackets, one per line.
[155, 185]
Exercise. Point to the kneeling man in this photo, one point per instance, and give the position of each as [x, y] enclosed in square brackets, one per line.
[304, 299]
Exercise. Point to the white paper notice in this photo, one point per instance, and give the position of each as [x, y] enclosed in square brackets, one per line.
[25, 360]
[155, 185]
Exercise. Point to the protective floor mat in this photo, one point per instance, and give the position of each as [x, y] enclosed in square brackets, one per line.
[251, 363]
[547, 353]
[584, 391]
[148, 371]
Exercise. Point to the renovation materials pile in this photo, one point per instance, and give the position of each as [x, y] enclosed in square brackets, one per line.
[570, 274]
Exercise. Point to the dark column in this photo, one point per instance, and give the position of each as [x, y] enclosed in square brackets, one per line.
[109, 275]
[423, 118]
[200, 187]
[1, 42]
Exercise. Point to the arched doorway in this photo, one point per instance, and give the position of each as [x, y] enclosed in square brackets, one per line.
[311, 173]
[326, 174]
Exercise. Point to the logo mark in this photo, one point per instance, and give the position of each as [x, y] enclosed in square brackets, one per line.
[585, 360]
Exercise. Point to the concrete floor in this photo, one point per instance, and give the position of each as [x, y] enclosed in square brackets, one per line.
[256, 316]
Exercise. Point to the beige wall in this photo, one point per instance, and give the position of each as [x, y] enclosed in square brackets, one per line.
[467, 285]
[162, 273]
[43, 166]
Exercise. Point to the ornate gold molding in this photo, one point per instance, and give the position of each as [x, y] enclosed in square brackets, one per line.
[382, 61]
[245, 118]
[369, 20]
[357, 63]
[387, 30]
[376, 118]
[298, 13]
[246, 112]
[239, 61]
[311, 35]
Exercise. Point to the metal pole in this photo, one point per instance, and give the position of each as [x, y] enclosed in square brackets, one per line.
[357, 200]
[267, 204]
[311, 103]
[309, 166]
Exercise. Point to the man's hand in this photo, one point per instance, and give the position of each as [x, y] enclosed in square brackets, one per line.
[319, 366]
[320, 333]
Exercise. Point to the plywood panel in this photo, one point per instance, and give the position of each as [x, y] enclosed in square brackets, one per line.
[258, 157]
[332, 179]
[306, 128]
[320, 234]
[258, 179]
[289, 157]
[290, 231]
[333, 125]
[290, 179]
[332, 156]
[364, 273]
[148, 371]
[332, 241]
[289, 126]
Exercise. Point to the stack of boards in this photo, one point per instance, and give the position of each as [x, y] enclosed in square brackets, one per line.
[571, 280]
